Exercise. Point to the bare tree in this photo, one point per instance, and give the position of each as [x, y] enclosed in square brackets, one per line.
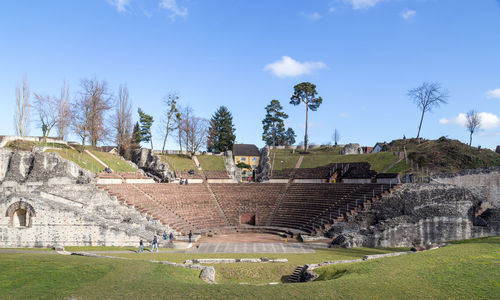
[46, 107]
[122, 121]
[473, 123]
[170, 116]
[426, 97]
[100, 102]
[22, 114]
[193, 130]
[82, 112]
[336, 136]
[63, 112]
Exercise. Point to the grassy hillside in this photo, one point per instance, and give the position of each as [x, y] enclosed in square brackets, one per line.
[436, 156]
[212, 162]
[285, 158]
[445, 155]
[466, 270]
[82, 159]
[178, 162]
[115, 162]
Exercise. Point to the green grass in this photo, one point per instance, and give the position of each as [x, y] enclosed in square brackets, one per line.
[211, 163]
[466, 270]
[97, 248]
[261, 273]
[285, 158]
[178, 162]
[20, 145]
[83, 160]
[115, 162]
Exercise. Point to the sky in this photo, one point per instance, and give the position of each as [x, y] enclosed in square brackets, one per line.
[363, 56]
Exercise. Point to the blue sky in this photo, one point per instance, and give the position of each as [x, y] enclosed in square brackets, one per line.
[363, 55]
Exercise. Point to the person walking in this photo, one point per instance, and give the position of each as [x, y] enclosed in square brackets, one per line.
[190, 235]
[155, 244]
[141, 247]
[171, 237]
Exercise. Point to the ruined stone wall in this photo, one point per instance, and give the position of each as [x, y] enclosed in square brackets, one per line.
[262, 172]
[152, 165]
[418, 214]
[485, 181]
[24, 166]
[72, 214]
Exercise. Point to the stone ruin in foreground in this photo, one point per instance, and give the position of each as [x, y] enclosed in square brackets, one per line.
[46, 200]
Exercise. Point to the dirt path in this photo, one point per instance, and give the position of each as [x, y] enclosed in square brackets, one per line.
[299, 162]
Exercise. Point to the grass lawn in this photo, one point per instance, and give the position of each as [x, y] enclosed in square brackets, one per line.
[97, 248]
[284, 159]
[212, 163]
[83, 160]
[178, 162]
[115, 162]
[467, 270]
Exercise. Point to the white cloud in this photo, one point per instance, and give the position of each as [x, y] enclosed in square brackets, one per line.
[174, 9]
[121, 5]
[332, 9]
[344, 115]
[488, 120]
[288, 67]
[493, 94]
[408, 14]
[362, 4]
[311, 16]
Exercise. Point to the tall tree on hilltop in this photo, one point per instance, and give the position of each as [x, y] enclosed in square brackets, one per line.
[146, 122]
[22, 114]
[273, 125]
[122, 122]
[98, 94]
[306, 93]
[336, 136]
[426, 97]
[221, 132]
[81, 115]
[473, 123]
[170, 116]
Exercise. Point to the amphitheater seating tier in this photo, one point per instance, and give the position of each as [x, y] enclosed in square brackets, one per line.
[203, 207]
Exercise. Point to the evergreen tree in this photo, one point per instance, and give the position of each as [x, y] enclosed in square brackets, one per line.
[306, 93]
[273, 125]
[221, 132]
[289, 137]
[146, 122]
[136, 137]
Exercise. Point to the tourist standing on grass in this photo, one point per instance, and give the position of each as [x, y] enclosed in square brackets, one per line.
[171, 237]
[155, 244]
[141, 247]
[190, 235]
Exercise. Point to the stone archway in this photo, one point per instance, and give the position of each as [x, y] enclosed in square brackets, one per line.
[20, 214]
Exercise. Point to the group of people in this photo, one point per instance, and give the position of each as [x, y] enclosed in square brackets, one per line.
[154, 243]
[183, 181]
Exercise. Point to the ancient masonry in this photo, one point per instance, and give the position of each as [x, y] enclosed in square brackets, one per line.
[456, 206]
[46, 200]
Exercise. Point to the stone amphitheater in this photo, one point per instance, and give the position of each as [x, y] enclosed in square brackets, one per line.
[47, 201]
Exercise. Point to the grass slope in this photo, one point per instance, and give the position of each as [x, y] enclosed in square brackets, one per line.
[463, 270]
[212, 163]
[178, 162]
[445, 155]
[323, 156]
[115, 162]
[82, 159]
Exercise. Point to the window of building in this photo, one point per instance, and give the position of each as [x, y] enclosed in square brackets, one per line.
[243, 159]
[254, 158]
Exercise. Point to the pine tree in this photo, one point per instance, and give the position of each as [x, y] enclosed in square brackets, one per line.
[221, 132]
[146, 122]
[289, 137]
[273, 125]
[306, 93]
[136, 137]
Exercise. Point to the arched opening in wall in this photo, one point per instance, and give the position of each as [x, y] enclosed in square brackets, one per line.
[20, 214]
[19, 219]
[247, 219]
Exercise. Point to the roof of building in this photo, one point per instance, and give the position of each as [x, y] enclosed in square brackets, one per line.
[245, 150]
